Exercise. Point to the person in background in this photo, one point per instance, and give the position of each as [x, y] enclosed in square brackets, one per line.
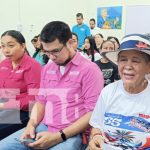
[94, 30]
[75, 41]
[34, 41]
[39, 55]
[81, 29]
[18, 74]
[120, 119]
[75, 45]
[90, 49]
[66, 99]
[115, 40]
[109, 69]
[36, 44]
[98, 40]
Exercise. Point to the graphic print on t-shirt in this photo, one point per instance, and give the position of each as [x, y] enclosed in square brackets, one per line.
[127, 132]
[107, 73]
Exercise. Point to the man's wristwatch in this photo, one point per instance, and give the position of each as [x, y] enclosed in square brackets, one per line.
[63, 136]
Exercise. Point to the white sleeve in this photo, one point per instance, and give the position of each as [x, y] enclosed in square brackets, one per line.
[97, 118]
[97, 56]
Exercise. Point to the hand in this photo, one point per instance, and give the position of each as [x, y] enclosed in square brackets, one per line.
[29, 132]
[45, 140]
[96, 143]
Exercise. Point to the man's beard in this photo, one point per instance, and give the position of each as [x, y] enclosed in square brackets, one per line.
[66, 62]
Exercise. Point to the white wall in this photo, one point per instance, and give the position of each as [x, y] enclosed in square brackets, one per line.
[125, 3]
[32, 15]
[141, 23]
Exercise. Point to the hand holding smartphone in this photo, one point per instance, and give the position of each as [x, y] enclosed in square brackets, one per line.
[25, 141]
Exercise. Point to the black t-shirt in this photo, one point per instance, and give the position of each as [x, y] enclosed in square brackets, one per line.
[110, 71]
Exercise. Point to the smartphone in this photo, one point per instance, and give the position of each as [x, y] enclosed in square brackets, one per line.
[25, 141]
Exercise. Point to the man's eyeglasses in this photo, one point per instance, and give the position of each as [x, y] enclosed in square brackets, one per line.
[54, 52]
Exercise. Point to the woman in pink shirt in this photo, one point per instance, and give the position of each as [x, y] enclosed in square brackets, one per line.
[18, 74]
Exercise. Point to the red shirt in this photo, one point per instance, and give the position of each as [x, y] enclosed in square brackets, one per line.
[15, 83]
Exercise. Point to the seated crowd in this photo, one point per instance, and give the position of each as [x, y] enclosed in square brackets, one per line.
[74, 95]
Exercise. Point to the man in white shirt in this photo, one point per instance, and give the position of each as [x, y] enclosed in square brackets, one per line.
[94, 30]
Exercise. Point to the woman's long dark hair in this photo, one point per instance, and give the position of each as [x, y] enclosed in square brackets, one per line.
[92, 48]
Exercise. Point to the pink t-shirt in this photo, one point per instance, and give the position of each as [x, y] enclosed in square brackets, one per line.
[69, 96]
[15, 84]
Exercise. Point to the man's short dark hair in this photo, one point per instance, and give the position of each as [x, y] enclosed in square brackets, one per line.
[79, 15]
[92, 19]
[56, 30]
